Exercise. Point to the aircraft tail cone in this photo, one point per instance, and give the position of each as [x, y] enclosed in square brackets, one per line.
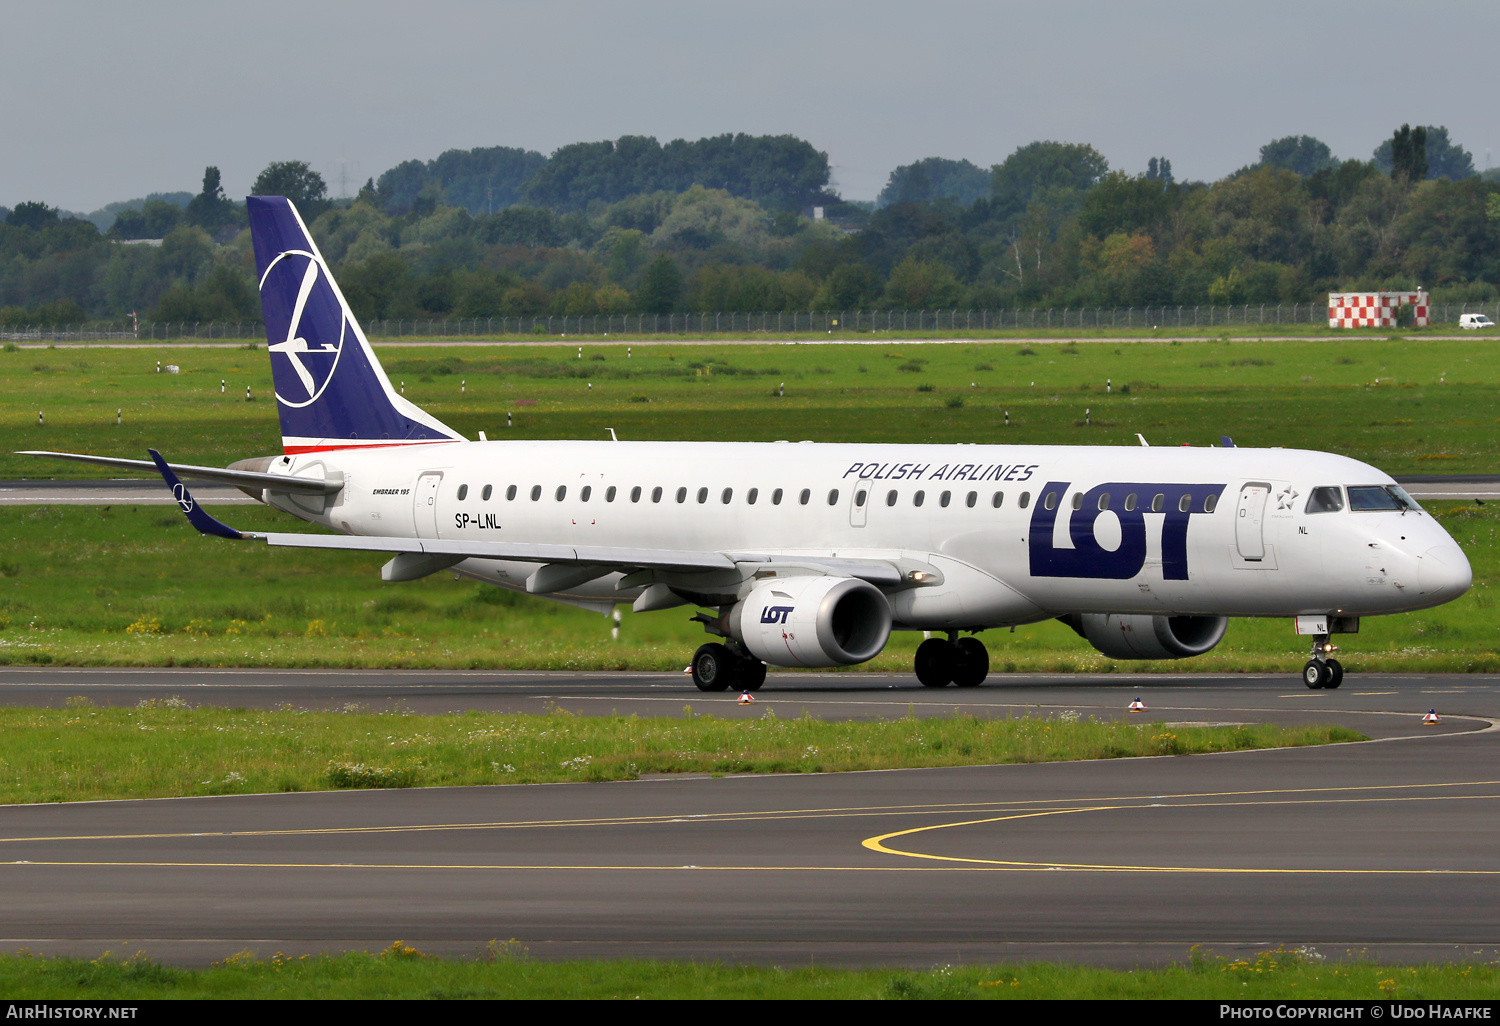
[1432, 718]
[1137, 706]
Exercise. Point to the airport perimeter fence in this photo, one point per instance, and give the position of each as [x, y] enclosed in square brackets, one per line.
[956, 321]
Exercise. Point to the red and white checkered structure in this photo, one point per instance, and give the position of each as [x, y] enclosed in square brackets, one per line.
[1374, 309]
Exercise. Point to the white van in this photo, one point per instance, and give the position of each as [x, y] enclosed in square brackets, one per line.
[1475, 321]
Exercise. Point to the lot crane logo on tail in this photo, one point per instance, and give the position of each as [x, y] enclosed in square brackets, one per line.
[331, 392]
[312, 363]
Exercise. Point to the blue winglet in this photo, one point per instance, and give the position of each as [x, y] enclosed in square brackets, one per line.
[1226, 442]
[199, 519]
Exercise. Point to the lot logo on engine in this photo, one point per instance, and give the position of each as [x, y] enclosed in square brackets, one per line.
[775, 614]
[1130, 504]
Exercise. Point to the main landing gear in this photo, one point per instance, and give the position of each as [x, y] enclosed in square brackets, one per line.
[954, 660]
[1321, 671]
[717, 667]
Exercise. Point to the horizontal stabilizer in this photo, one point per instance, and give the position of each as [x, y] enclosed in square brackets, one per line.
[218, 475]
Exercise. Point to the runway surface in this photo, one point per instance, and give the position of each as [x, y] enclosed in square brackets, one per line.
[1389, 846]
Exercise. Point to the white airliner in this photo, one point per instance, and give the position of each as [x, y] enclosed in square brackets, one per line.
[811, 554]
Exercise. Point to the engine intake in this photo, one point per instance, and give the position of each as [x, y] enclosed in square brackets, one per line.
[812, 621]
[1143, 636]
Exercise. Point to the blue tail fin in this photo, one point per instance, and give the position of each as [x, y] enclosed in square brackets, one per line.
[330, 389]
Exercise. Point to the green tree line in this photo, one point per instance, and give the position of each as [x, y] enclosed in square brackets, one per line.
[1051, 225]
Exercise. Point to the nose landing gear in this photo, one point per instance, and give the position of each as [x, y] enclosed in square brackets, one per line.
[954, 660]
[1321, 671]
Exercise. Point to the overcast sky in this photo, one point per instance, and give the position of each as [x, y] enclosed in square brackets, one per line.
[103, 101]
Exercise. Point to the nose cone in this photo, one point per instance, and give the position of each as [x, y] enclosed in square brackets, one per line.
[1443, 573]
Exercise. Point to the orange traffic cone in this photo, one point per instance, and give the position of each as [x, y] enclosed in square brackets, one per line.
[1431, 718]
[1137, 706]
[746, 698]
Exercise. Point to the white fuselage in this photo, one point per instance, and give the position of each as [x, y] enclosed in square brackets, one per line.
[1231, 534]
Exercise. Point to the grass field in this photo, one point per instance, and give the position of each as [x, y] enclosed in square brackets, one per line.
[502, 969]
[1405, 404]
[135, 586]
[169, 749]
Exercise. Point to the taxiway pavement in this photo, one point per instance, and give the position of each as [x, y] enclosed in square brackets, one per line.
[1388, 847]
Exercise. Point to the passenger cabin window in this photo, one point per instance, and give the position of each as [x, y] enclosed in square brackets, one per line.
[1158, 502]
[997, 500]
[751, 496]
[488, 491]
[918, 497]
[971, 499]
[1130, 502]
[463, 492]
[702, 496]
[635, 494]
[726, 495]
[1184, 504]
[1325, 499]
[1372, 498]
[609, 494]
[561, 493]
[1078, 500]
[588, 490]
[805, 496]
[682, 495]
[656, 494]
[1104, 500]
[890, 497]
[510, 494]
[1210, 502]
[776, 497]
[1024, 500]
[1050, 502]
[944, 499]
[833, 497]
[536, 492]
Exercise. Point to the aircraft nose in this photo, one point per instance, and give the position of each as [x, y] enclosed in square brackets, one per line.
[1443, 572]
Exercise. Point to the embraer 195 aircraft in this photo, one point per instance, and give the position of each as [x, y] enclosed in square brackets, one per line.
[811, 554]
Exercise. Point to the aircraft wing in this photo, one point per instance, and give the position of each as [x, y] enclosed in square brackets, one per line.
[446, 552]
[218, 475]
[878, 572]
[601, 555]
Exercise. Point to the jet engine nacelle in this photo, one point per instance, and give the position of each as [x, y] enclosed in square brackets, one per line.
[1142, 636]
[812, 621]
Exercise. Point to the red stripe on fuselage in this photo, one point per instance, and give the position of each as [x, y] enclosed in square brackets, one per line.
[297, 450]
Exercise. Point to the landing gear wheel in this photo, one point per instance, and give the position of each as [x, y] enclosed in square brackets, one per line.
[1316, 675]
[1335, 674]
[935, 663]
[752, 674]
[714, 667]
[972, 664]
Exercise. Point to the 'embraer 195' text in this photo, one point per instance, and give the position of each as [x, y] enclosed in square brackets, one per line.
[1130, 502]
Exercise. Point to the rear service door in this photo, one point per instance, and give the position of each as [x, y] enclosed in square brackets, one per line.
[1249, 518]
[424, 503]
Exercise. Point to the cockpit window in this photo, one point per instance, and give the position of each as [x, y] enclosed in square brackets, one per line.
[1327, 499]
[1390, 498]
